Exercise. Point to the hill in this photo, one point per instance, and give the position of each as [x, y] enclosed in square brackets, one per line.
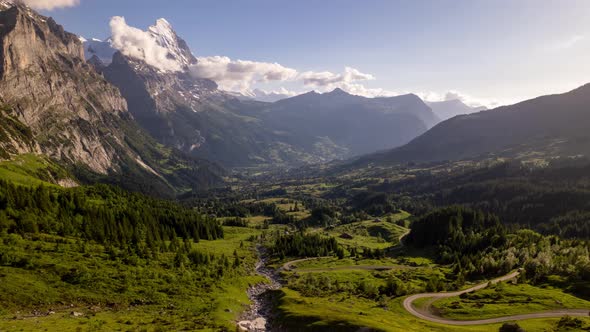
[553, 125]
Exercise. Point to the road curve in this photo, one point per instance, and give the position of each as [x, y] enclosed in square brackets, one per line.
[408, 305]
[289, 265]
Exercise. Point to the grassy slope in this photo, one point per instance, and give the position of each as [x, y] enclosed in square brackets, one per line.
[370, 234]
[339, 313]
[31, 170]
[113, 295]
[505, 300]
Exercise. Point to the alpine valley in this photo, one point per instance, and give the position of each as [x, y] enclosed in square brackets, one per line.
[137, 194]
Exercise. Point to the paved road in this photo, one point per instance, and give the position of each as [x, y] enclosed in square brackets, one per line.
[408, 305]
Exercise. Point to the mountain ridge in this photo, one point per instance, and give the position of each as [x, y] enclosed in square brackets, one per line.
[60, 107]
[551, 125]
[450, 108]
[194, 116]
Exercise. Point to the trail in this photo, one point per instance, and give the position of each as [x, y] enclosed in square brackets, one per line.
[408, 305]
[257, 318]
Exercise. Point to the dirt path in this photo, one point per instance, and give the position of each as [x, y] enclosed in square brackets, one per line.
[408, 305]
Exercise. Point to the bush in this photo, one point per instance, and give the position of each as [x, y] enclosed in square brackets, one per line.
[569, 322]
[511, 327]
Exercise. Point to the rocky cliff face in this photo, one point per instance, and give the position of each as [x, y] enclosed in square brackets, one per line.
[190, 113]
[61, 107]
[154, 97]
[51, 89]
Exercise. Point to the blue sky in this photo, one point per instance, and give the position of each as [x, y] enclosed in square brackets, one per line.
[485, 50]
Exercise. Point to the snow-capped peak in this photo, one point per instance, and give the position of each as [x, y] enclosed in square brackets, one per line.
[166, 37]
[82, 39]
[101, 49]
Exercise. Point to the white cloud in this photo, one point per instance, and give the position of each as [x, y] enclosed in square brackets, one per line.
[569, 42]
[361, 90]
[456, 95]
[272, 96]
[141, 45]
[239, 75]
[349, 81]
[49, 4]
[326, 78]
[243, 76]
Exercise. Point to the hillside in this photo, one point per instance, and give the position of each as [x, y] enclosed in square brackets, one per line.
[553, 125]
[54, 104]
[356, 124]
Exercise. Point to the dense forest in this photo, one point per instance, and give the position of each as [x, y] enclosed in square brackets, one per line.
[305, 245]
[103, 214]
[552, 200]
[478, 245]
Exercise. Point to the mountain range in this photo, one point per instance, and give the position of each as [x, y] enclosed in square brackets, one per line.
[548, 126]
[112, 117]
[191, 114]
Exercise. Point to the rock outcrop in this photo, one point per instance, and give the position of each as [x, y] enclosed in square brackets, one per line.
[58, 105]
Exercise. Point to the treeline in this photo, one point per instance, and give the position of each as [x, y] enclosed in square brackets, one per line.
[104, 214]
[478, 245]
[554, 200]
[305, 245]
[458, 228]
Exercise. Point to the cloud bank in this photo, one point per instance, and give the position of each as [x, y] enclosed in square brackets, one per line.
[244, 76]
[141, 45]
[456, 95]
[49, 4]
[271, 96]
[350, 81]
[326, 78]
[239, 75]
[569, 42]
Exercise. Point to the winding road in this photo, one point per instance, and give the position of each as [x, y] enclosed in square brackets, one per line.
[408, 305]
[289, 265]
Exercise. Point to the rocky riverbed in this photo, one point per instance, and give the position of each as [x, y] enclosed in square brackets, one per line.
[256, 319]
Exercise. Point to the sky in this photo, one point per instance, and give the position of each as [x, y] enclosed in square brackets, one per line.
[488, 52]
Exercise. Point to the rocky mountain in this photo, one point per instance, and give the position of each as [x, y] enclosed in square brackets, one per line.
[193, 115]
[355, 124]
[553, 125]
[451, 108]
[100, 52]
[57, 105]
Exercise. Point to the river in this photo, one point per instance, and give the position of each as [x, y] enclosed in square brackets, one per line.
[257, 318]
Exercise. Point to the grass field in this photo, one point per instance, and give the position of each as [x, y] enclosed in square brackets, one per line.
[44, 279]
[341, 313]
[507, 299]
[31, 170]
[376, 233]
[368, 234]
[327, 263]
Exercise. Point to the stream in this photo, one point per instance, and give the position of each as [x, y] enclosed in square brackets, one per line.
[256, 319]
